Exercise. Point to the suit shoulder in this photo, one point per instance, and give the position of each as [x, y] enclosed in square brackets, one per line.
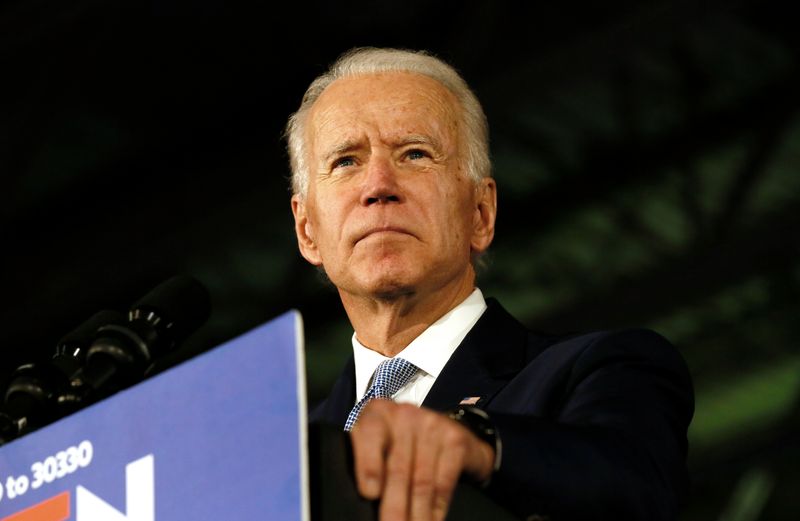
[634, 347]
[632, 342]
[621, 340]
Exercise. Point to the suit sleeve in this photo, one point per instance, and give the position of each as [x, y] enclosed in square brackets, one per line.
[613, 443]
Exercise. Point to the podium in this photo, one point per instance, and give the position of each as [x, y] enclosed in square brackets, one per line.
[223, 436]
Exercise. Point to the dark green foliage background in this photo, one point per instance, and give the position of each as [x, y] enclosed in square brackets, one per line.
[646, 153]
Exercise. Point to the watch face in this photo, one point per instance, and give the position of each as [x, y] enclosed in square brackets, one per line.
[477, 421]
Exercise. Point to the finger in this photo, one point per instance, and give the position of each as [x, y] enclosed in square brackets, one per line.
[454, 441]
[399, 462]
[427, 451]
[370, 439]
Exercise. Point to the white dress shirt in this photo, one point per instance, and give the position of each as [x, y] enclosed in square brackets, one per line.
[430, 351]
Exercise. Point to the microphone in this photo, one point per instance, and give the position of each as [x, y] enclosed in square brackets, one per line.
[103, 355]
[71, 349]
[39, 393]
[120, 354]
[71, 356]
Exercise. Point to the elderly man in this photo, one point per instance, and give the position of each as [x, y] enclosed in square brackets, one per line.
[394, 200]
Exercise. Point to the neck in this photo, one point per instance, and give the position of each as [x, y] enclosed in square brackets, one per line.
[388, 324]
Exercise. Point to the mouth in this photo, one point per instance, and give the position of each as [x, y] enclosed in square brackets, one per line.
[382, 230]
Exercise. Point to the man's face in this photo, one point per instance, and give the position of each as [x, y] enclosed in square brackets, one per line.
[389, 210]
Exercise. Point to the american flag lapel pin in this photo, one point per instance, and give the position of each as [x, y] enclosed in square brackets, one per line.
[469, 400]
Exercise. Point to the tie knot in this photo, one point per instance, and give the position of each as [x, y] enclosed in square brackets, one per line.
[391, 375]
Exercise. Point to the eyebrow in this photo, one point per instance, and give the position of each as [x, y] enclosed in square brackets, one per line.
[351, 145]
[342, 148]
[418, 139]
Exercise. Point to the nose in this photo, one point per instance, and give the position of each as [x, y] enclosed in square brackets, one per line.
[381, 182]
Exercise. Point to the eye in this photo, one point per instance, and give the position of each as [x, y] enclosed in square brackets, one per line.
[416, 153]
[344, 162]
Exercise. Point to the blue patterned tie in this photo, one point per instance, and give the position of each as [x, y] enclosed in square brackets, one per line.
[389, 377]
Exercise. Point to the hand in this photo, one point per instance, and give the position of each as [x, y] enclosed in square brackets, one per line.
[411, 458]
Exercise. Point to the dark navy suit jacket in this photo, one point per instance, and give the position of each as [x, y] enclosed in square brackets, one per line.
[592, 426]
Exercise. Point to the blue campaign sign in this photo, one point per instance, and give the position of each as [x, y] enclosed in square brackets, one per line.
[220, 437]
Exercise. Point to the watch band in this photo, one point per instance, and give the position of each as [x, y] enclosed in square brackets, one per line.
[480, 424]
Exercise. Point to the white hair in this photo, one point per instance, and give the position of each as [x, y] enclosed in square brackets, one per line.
[371, 60]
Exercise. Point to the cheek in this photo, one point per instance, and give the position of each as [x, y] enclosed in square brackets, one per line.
[463, 220]
[325, 226]
[453, 220]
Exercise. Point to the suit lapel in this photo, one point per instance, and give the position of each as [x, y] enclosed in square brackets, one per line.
[491, 353]
[488, 357]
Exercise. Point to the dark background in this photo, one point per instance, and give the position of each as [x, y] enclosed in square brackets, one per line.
[646, 154]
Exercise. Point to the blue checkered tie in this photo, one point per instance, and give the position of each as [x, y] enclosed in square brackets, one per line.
[389, 377]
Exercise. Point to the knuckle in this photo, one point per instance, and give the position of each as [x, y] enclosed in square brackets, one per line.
[367, 466]
[405, 417]
[377, 404]
[432, 421]
[369, 471]
[423, 485]
[455, 436]
[444, 488]
[406, 411]
[397, 468]
[366, 426]
[371, 411]
[397, 476]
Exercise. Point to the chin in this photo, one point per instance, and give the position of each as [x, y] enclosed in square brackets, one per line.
[390, 287]
[385, 277]
[392, 294]
[387, 282]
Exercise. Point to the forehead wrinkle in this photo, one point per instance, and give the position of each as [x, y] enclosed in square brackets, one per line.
[329, 135]
[346, 146]
[428, 115]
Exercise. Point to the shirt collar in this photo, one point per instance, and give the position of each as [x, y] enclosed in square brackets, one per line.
[431, 350]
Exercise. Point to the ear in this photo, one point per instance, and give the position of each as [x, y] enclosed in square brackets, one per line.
[484, 215]
[304, 231]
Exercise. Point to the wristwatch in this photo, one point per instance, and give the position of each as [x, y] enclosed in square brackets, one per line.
[480, 424]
